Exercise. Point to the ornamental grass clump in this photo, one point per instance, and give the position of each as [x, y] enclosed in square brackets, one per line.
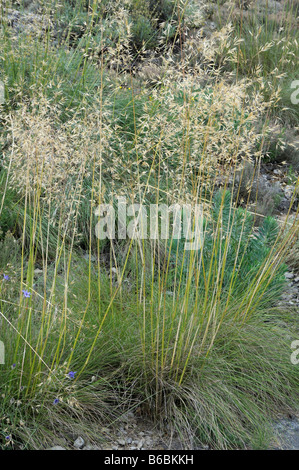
[195, 339]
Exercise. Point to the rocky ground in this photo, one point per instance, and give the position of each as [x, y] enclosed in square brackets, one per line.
[137, 434]
[133, 433]
[287, 434]
[291, 295]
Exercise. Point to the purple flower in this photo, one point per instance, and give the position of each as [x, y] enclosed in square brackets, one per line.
[71, 374]
[5, 277]
[56, 401]
[8, 438]
[26, 293]
[13, 366]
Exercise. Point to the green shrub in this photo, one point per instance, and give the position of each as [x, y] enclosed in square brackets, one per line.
[248, 248]
[143, 34]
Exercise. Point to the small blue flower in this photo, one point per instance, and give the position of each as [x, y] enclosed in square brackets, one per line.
[5, 277]
[56, 401]
[8, 438]
[71, 374]
[13, 366]
[26, 293]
